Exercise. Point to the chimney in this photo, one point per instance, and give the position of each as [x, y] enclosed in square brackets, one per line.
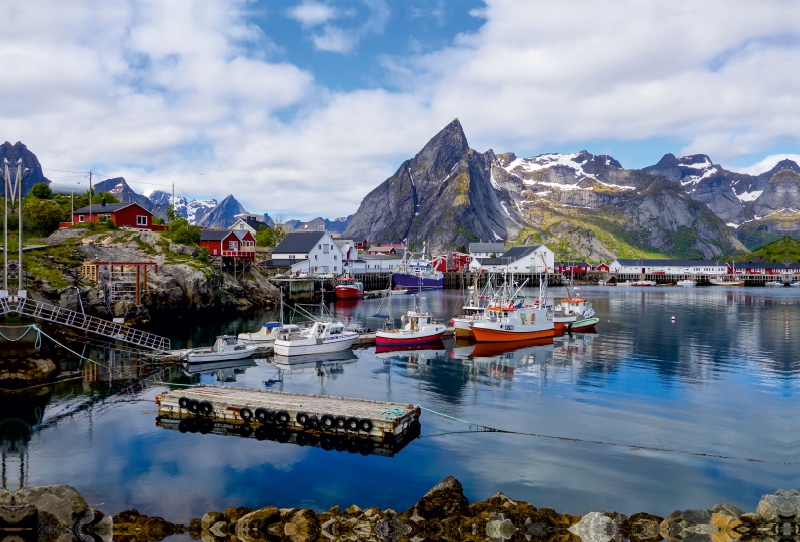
[103, 202]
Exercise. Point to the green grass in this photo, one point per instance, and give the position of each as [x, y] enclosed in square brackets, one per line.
[777, 251]
[40, 269]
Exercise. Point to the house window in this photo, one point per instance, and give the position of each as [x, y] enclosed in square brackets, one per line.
[334, 258]
[215, 252]
[325, 249]
[141, 220]
[316, 257]
[334, 268]
[233, 245]
[80, 218]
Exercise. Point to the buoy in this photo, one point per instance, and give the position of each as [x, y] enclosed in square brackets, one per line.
[673, 318]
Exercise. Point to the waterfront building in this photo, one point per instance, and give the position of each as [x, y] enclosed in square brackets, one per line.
[524, 259]
[235, 244]
[124, 215]
[669, 267]
[486, 250]
[307, 252]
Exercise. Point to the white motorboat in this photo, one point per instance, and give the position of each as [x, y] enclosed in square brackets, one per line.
[686, 283]
[418, 328]
[320, 338]
[268, 333]
[226, 347]
[774, 284]
[726, 280]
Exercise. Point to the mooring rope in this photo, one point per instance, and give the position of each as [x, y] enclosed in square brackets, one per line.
[32, 326]
[607, 443]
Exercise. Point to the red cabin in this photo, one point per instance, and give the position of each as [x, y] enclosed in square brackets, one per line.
[460, 261]
[361, 245]
[602, 268]
[573, 268]
[124, 215]
[237, 244]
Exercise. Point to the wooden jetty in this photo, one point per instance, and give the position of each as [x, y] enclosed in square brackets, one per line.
[327, 441]
[317, 413]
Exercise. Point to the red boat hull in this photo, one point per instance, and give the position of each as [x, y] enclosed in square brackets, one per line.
[386, 341]
[348, 292]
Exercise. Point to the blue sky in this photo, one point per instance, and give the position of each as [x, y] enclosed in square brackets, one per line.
[301, 107]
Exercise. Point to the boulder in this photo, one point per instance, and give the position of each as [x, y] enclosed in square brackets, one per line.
[253, 527]
[444, 500]
[780, 505]
[302, 527]
[594, 527]
[209, 519]
[640, 527]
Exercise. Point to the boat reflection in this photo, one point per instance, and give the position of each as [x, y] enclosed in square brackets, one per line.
[419, 354]
[501, 360]
[225, 371]
[576, 343]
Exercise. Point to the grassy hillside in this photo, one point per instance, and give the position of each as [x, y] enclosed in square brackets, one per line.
[777, 251]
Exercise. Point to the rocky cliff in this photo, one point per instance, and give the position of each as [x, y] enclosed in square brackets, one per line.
[13, 153]
[223, 215]
[120, 189]
[444, 195]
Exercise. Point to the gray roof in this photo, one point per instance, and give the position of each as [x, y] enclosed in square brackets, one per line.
[214, 235]
[573, 263]
[486, 247]
[298, 241]
[381, 257]
[241, 233]
[107, 208]
[342, 242]
[491, 261]
[282, 263]
[517, 253]
[673, 263]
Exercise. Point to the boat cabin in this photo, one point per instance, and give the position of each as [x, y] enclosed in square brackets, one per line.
[226, 343]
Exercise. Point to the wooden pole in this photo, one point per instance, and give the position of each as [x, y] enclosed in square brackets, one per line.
[137, 284]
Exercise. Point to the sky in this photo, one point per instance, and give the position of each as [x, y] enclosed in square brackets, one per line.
[300, 107]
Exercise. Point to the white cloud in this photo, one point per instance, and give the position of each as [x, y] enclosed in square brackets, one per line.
[767, 163]
[162, 92]
[311, 14]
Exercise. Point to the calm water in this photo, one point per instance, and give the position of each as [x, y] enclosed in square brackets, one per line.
[721, 379]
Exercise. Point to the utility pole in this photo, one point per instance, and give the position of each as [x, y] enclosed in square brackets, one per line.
[6, 179]
[19, 215]
[90, 195]
[173, 197]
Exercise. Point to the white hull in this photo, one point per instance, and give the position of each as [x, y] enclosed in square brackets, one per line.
[687, 283]
[720, 282]
[205, 357]
[300, 347]
[774, 285]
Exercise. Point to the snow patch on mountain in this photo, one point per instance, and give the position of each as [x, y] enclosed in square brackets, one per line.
[749, 196]
[694, 179]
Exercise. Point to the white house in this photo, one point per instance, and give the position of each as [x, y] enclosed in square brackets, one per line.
[308, 252]
[528, 259]
[669, 267]
[375, 263]
[486, 250]
[348, 249]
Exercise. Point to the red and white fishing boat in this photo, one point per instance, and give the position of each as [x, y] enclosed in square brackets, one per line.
[419, 327]
[505, 321]
[349, 288]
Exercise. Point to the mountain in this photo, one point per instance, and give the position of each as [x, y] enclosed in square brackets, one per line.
[120, 189]
[444, 195]
[337, 225]
[223, 215]
[579, 204]
[13, 153]
[192, 210]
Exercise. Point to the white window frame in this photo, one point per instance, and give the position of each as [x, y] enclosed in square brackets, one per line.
[139, 221]
[233, 245]
[81, 218]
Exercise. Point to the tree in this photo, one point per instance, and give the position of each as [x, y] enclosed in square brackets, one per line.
[41, 216]
[171, 213]
[41, 191]
[182, 232]
[269, 237]
[202, 255]
[462, 249]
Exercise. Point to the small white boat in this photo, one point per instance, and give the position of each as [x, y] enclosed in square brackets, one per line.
[687, 283]
[418, 328]
[226, 347]
[639, 283]
[268, 333]
[774, 284]
[726, 281]
[399, 291]
[321, 338]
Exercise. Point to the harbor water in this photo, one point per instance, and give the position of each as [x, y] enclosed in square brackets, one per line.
[649, 413]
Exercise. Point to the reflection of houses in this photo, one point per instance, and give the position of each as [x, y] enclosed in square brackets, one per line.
[526, 259]
[304, 252]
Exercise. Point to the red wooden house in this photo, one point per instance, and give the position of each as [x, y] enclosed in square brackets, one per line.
[602, 268]
[361, 245]
[460, 261]
[124, 215]
[236, 244]
[385, 248]
[573, 268]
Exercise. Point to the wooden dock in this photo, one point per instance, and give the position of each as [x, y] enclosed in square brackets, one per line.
[341, 443]
[317, 413]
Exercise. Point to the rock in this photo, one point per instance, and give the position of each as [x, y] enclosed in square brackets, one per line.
[727, 509]
[194, 528]
[232, 515]
[131, 526]
[353, 510]
[152, 239]
[219, 529]
[594, 527]
[209, 519]
[59, 506]
[69, 299]
[687, 524]
[640, 527]
[253, 527]
[177, 248]
[303, 526]
[445, 499]
[781, 504]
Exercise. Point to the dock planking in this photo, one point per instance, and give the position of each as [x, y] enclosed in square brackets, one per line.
[317, 413]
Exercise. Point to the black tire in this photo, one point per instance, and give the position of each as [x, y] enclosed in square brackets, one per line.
[183, 427]
[262, 433]
[246, 431]
[193, 406]
[353, 445]
[206, 408]
[326, 442]
[261, 414]
[340, 422]
[191, 425]
[301, 418]
[246, 414]
[367, 447]
[352, 424]
[270, 417]
[365, 424]
[183, 402]
[282, 436]
[301, 439]
[326, 422]
[205, 426]
[282, 417]
[312, 439]
[312, 423]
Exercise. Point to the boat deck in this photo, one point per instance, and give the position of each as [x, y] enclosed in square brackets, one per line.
[240, 406]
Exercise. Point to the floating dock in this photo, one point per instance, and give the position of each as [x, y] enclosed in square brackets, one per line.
[326, 441]
[293, 411]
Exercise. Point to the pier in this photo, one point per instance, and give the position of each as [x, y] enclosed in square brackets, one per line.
[702, 280]
[292, 411]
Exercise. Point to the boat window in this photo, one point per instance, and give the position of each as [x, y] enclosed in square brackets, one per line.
[336, 330]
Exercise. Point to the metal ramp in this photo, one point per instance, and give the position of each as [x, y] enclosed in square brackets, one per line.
[58, 315]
